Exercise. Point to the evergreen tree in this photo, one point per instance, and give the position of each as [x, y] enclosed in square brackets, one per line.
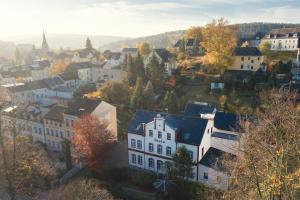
[131, 71]
[136, 100]
[155, 72]
[170, 102]
[149, 95]
[67, 154]
[88, 44]
[139, 66]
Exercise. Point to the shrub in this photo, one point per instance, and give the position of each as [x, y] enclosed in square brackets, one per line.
[144, 180]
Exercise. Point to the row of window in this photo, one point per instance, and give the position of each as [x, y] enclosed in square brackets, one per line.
[285, 47]
[56, 133]
[249, 58]
[159, 135]
[54, 145]
[151, 163]
[248, 67]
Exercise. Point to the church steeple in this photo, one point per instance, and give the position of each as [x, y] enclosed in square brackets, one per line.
[45, 47]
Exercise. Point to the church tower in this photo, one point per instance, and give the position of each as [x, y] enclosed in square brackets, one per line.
[45, 47]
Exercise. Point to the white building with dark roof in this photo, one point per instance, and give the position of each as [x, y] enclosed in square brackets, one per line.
[285, 39]
[207, 134]
[164, 57]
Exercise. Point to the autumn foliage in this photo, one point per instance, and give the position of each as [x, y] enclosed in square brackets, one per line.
[91, 139]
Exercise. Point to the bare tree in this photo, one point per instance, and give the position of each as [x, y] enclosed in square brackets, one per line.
[268, 161]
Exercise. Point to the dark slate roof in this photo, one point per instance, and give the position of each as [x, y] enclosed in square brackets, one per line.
[246, 51]
[164, 54]
[139, 118]
[212, 158]
[179, 43]
[80, 107]
[227, 121]
[56, 113]
[191, 42]
[85, 52]
[39, 84]
[53, 82]
[190, 129]
[196, 109]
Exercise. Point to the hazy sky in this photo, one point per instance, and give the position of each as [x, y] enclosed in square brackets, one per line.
[134, 17]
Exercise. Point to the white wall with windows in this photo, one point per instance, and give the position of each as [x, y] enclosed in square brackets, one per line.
[212, 178]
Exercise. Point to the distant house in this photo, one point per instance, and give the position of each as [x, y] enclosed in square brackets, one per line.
[113, 60]
[40, 69]
[285, 39]
[206, 133]
[86, 55]
[179, 45]
[104, 72]
[164, 57]
[247, 59]
[253, 41]
[129, 51]
[59, 121]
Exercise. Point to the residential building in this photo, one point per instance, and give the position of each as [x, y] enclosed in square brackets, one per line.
[85, 55]
[99, 73]
[253, 41]
[164, 57]
[206, 133]
[89, 54]
[247, 59]
[40, 69]
[128, 51]
[54, 128]
[37, 91]
[24, 119]
[286, 39]
[97, 108]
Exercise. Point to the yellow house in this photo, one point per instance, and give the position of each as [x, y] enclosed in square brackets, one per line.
[247, 59]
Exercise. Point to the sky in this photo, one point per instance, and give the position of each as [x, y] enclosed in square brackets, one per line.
[134, 18]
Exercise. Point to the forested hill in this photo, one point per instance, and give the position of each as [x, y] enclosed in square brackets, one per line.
[168, 39]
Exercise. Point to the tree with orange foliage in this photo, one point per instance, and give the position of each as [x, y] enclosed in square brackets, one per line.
[91, 139]
[219, 40]
[195, 32]
[59, 66]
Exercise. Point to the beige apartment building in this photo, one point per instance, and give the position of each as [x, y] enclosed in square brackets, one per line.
[247, 59]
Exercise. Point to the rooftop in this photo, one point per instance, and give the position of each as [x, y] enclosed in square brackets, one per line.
[246, 51]
[56, 113]
[80, 107]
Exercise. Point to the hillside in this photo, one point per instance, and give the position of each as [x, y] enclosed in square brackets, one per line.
[157, 41]
[168, 39]
[67, 41]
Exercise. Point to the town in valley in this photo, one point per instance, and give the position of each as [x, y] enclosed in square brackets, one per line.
[207, 112]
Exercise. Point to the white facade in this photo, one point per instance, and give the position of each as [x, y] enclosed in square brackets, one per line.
[289, 42]
[157, 142]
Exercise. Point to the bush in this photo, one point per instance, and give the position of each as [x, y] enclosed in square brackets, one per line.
[144, 180]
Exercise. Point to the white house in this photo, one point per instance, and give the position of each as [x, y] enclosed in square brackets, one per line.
[286, 39]
[128, 51]
[164, 58]
[103, 72]
[27, 119]
[85, 55]
[207, 134]
[40, 69]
